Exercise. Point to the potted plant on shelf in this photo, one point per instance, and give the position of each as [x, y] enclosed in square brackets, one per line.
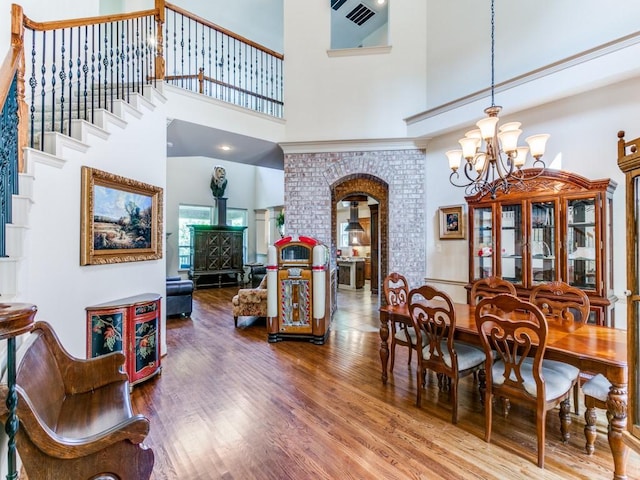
[280, 223]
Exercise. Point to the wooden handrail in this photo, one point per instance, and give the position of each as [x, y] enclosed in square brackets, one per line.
[222, 30]
[8, 70]
[81, 22]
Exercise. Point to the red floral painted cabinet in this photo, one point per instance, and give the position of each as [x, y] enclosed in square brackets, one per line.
[130, 325]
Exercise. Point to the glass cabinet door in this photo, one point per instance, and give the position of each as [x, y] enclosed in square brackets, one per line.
[482, 242]
[542, 242]
[511, 243]
[581, 243]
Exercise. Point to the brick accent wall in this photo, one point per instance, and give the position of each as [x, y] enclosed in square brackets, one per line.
[315, 182]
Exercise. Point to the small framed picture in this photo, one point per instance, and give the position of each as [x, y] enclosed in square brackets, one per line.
[452, 222]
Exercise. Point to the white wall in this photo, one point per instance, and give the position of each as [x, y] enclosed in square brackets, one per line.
[56, 283]
[528, 35]
[356, 96]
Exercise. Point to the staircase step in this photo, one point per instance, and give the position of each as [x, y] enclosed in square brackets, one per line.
[106, 120]
[62, 145]
[33, 156]
[20, 206]
[14, 247]
[82, 130]
[122, 109]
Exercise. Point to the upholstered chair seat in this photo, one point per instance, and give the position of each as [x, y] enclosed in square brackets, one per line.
[250, 302]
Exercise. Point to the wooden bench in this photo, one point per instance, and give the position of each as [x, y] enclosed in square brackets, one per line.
[75, 415]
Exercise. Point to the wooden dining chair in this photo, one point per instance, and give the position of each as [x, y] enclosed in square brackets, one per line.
[396, 292]
[567, 307]
[434, 320]
[517, 331]
[489, 287]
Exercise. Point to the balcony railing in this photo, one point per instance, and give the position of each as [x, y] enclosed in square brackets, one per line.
[208, 59]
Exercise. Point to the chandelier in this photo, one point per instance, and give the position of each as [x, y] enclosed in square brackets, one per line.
[493, 159]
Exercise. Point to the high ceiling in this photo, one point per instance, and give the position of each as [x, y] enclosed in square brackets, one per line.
[186, 139]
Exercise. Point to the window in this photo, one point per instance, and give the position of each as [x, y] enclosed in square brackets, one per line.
[357, 24]
[344, 235]
[204, 215]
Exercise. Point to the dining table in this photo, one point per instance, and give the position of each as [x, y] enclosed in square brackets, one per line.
[591, 348]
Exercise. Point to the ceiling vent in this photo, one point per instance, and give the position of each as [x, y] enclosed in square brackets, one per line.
[336, 4]
[360, 14]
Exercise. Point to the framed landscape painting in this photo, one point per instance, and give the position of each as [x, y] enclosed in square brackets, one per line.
[452, 222]
[121, 219]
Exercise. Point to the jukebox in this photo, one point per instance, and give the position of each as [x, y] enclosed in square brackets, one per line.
[298, 290]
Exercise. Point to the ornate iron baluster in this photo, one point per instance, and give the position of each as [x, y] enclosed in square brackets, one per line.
[32, 83]
[93, 71]
[63, 77]
[53, 82]
[43, 81]
[85, 68]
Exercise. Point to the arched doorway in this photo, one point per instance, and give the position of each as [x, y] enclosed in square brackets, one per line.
[374, 187]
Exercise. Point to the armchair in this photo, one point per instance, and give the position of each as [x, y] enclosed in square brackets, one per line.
[250, 302]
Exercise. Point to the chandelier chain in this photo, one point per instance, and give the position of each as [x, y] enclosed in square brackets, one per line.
[493, 42]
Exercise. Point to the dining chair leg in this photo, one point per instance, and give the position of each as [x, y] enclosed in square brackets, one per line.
[541, 416]
[410, 353]
[590, 419]
[576, 397]
[420, 376]
[482, 385]
[506, 406]
[565, 419]
[488, 414]
[393, 356]
[454, 401]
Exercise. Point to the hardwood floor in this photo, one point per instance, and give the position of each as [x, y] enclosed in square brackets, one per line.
[230, 405]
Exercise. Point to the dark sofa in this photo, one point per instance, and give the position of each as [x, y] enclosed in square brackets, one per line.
[179, 296]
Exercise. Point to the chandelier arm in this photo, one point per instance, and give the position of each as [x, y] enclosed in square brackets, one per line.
[467, 167]
[506, 170]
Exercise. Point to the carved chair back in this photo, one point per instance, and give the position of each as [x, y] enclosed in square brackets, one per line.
[561, 303]
[490, 286]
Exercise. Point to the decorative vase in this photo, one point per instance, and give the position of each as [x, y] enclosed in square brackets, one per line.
[221, 203]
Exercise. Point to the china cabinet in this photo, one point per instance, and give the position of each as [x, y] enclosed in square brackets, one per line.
[555, 226]
[629, 163]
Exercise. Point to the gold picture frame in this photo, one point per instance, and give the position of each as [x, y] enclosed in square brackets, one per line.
[452, 222]
[121, 219]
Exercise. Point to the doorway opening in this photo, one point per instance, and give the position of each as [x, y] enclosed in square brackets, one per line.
[369, 196]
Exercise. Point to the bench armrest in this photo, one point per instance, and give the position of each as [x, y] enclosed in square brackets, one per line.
[82, 375]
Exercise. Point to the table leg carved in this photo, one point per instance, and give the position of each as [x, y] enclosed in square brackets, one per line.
[384, 345]
[617, 414]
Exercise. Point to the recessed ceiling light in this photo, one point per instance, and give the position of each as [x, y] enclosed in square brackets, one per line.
[226, 148]
[381, 2]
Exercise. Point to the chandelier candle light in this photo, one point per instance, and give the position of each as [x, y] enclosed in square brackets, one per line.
[496, 165]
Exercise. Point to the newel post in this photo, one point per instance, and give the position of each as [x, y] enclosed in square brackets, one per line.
[17, 43]
[159, 70]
